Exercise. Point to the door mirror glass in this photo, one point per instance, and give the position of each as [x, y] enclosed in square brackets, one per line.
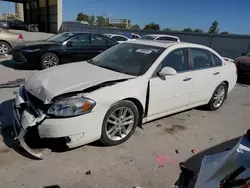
[69, 43]
[167, 71]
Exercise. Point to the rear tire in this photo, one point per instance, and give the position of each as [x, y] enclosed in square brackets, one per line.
[49, 60]
[119, 123]
[218, 97]
[4, 48]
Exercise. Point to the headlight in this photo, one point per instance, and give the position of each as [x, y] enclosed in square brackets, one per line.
[71, 107]
[31, 50]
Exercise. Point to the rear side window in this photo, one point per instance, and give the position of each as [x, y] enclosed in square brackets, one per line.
[217, 61]
[118, 38]
[80, 40]
[98, 40]
[201, 58]
[111, 42]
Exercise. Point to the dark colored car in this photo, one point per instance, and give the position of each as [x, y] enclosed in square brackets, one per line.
[243, 64]
[4, 24]
[62, 48]
[17, 24]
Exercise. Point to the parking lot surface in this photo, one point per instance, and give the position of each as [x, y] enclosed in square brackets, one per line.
[149, 158]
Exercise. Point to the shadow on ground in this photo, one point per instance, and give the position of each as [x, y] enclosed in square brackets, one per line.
[32, 138]
[13, 65]
[193, 163]
[244, 79]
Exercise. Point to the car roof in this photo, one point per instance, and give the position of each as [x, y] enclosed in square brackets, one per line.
[107, 34]
[160, 35]
[166, 44]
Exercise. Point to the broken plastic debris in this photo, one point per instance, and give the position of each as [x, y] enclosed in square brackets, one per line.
[88, 172]
[193, 151]
[14, 83]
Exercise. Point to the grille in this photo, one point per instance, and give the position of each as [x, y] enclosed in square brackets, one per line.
[18, 57]
[36, 104]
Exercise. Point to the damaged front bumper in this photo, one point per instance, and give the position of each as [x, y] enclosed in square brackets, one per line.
[20, 134]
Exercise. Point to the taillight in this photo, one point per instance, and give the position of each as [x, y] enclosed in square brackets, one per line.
[20, 36]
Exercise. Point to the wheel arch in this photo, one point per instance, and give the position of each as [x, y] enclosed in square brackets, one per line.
[52, 52]
[7, 43]
[227, 84]
[139, 106]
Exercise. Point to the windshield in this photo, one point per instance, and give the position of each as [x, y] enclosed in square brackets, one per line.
[60, 37]
[147, 37]
[128, 58]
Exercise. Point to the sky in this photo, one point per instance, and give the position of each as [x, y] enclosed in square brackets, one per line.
[233, 15]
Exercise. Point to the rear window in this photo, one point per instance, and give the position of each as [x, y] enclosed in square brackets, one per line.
[147, 37]
[217, 61]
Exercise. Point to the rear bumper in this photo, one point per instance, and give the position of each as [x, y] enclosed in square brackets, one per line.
[243, 68]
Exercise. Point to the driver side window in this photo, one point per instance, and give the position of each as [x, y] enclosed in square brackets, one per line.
[80, 40]
[178, 60]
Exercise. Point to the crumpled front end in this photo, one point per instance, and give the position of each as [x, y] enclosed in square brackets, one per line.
[25, 115]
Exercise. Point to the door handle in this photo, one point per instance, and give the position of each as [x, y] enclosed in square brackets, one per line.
[216, 73]
[186, 79]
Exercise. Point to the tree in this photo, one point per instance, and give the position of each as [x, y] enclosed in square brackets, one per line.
[214, 27]
[92, 20]
[187, 30]
[224, 32]
[136, 27]
[101, 21]
[167, 30]
[198, 31]
[82, 17]
[152, 26]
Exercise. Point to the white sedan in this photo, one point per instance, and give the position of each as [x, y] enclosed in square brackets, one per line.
[117, 38]
[107, 97]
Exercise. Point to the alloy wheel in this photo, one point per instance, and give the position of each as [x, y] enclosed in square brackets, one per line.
[4, 49]
[50, 61]
[219, 96]
[120, 123]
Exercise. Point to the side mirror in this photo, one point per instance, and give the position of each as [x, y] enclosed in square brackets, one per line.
[167, 71]
[69, 43]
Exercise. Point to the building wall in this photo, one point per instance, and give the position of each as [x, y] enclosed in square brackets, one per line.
[46, 13]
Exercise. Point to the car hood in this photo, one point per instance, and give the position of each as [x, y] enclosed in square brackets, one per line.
[73, 77]
[243, 59]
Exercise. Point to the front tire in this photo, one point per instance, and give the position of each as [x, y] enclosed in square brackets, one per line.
[119, 123]
[4, 48]
[218, 97]
[49, 60]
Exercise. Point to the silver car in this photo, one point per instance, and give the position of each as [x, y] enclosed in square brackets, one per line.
[8, 40]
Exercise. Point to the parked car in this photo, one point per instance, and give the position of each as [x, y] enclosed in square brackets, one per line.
[131, 83]
[4, 24]
[17, 24]
[243, 64]
[135, 36]
[160, 37]
[8, 40]
[62, 48]
[118, 38]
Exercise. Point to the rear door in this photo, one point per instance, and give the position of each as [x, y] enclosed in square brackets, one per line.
[206, 76]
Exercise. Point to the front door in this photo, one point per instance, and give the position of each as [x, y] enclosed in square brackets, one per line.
[98, 44]
[170, 94]
[76, 51]
[205, 76]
